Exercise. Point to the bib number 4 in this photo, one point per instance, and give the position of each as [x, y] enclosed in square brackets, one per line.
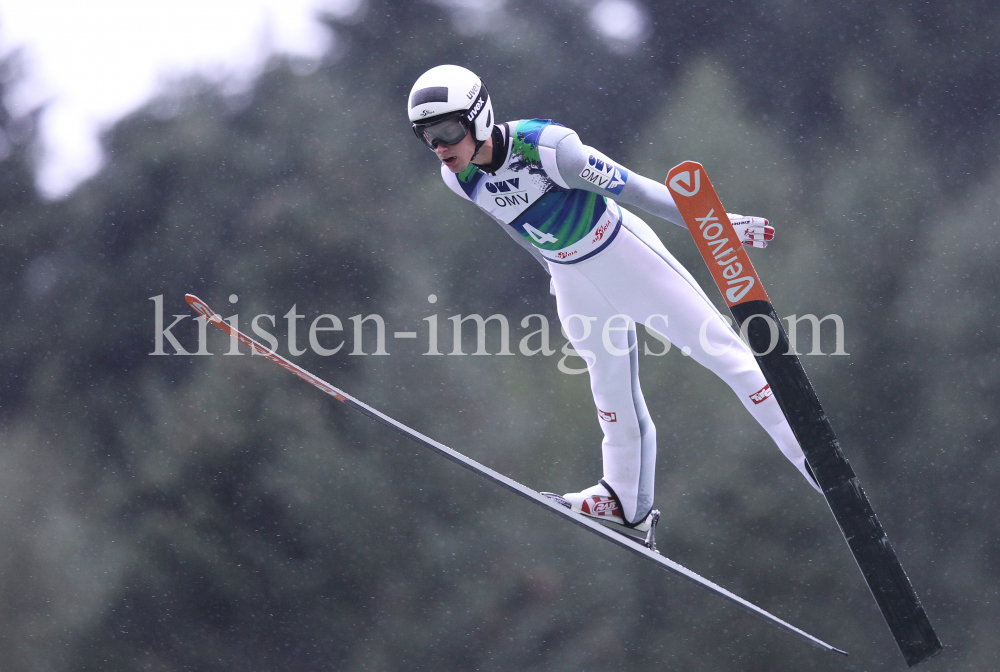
[540, 237]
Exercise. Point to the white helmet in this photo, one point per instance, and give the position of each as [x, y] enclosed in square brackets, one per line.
[450, 93]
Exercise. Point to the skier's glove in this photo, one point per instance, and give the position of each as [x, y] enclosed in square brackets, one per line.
[752, 231]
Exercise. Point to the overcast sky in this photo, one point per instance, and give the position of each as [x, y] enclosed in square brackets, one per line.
[90, 62]
[93, 61]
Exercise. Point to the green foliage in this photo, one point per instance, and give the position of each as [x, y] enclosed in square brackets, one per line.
[215, 513]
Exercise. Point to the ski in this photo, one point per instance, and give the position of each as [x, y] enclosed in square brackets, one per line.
[755, 317]
[633, 544]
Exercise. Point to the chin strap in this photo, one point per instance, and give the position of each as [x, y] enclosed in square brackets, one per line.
[479, 145]
[499, 147]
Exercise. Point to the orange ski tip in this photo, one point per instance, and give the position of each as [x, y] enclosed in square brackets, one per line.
[685, 178]
[686, 165]
[713, 233]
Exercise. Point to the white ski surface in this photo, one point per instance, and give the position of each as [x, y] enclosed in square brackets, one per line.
[588, 524]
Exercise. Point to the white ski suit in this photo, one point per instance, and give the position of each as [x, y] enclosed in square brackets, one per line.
[553, 195]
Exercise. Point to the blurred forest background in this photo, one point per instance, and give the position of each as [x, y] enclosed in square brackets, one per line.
[215, 513]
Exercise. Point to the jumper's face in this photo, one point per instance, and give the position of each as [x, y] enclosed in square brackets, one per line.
[457, 157]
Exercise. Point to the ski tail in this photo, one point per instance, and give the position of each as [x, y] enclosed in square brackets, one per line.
[751, 308]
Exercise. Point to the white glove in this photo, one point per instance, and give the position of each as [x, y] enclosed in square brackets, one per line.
[752, 231]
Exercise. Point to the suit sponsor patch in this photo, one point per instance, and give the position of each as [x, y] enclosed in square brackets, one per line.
[601, 506]
[604, 174]
[762, 394]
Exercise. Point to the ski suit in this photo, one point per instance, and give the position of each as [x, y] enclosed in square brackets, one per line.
[558, 198]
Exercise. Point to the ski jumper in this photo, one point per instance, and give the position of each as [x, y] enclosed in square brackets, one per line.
[558, 198]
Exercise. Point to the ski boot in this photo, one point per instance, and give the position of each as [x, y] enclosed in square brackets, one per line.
[597, 502]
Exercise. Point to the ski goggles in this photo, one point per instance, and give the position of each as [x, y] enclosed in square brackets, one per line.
[446, 132]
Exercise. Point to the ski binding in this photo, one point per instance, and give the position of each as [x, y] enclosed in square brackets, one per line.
[649, 541]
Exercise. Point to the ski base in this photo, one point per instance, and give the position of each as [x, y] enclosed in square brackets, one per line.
[744, 293]
[874, 554]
